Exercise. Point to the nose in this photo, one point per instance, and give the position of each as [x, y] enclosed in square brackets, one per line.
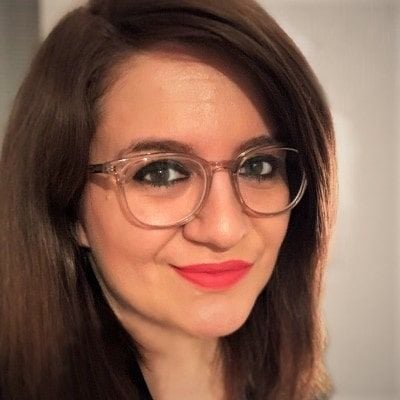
[221, 223]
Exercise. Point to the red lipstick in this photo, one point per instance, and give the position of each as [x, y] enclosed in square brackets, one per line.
[215, 275]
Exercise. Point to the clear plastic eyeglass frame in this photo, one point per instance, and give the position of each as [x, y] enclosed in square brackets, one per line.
[116, 169]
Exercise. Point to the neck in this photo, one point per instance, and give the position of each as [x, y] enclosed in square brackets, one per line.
[184, 370]
[176, 365]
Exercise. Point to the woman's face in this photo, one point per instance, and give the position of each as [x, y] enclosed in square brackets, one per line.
[177, 95]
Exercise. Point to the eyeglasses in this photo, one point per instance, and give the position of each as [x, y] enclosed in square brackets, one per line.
[169, 189]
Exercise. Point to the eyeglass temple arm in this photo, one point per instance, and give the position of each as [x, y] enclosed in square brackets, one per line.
[101, 168]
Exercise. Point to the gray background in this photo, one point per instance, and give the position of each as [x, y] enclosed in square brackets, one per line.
[19, 31]
[354, 47]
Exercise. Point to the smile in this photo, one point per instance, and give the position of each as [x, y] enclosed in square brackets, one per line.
[217, 276]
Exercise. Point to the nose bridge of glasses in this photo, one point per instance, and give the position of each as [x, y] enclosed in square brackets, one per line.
[217, 166]
[220, 166]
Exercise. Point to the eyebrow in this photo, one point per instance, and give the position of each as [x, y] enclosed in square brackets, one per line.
[174, 146]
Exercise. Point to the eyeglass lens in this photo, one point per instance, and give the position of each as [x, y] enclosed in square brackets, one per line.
[162, 191]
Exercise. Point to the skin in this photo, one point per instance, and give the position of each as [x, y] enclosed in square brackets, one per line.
[177, 93]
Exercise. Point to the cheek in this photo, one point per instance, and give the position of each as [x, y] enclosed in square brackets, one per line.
[272, 231]
[119, 247]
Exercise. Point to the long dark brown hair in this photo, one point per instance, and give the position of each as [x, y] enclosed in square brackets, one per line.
[58, 337]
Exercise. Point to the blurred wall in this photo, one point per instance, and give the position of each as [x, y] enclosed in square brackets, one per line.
[52, 10]
[18, 39]
[397, 123]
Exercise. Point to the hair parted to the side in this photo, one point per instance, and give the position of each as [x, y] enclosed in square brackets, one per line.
[58, 337]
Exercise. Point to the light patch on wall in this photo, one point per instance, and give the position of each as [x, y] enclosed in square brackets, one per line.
[347, 159]
[51, 11]
[397, 113]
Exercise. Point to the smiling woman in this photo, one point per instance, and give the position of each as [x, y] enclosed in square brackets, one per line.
[169, 238]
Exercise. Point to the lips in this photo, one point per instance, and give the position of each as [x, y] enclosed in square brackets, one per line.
[215, 275]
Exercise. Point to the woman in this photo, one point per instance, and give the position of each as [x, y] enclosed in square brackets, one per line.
[166, 201]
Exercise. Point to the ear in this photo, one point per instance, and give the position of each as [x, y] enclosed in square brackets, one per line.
[81, 235]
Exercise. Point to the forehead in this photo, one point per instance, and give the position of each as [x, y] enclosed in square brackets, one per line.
[182, 94]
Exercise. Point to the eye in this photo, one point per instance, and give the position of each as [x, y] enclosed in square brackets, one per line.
[161, 173]
[258, 168]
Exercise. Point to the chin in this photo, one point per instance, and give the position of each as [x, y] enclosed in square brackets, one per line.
[218, 321]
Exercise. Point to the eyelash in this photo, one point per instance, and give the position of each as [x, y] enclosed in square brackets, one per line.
[272, 162]
[159, 167]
